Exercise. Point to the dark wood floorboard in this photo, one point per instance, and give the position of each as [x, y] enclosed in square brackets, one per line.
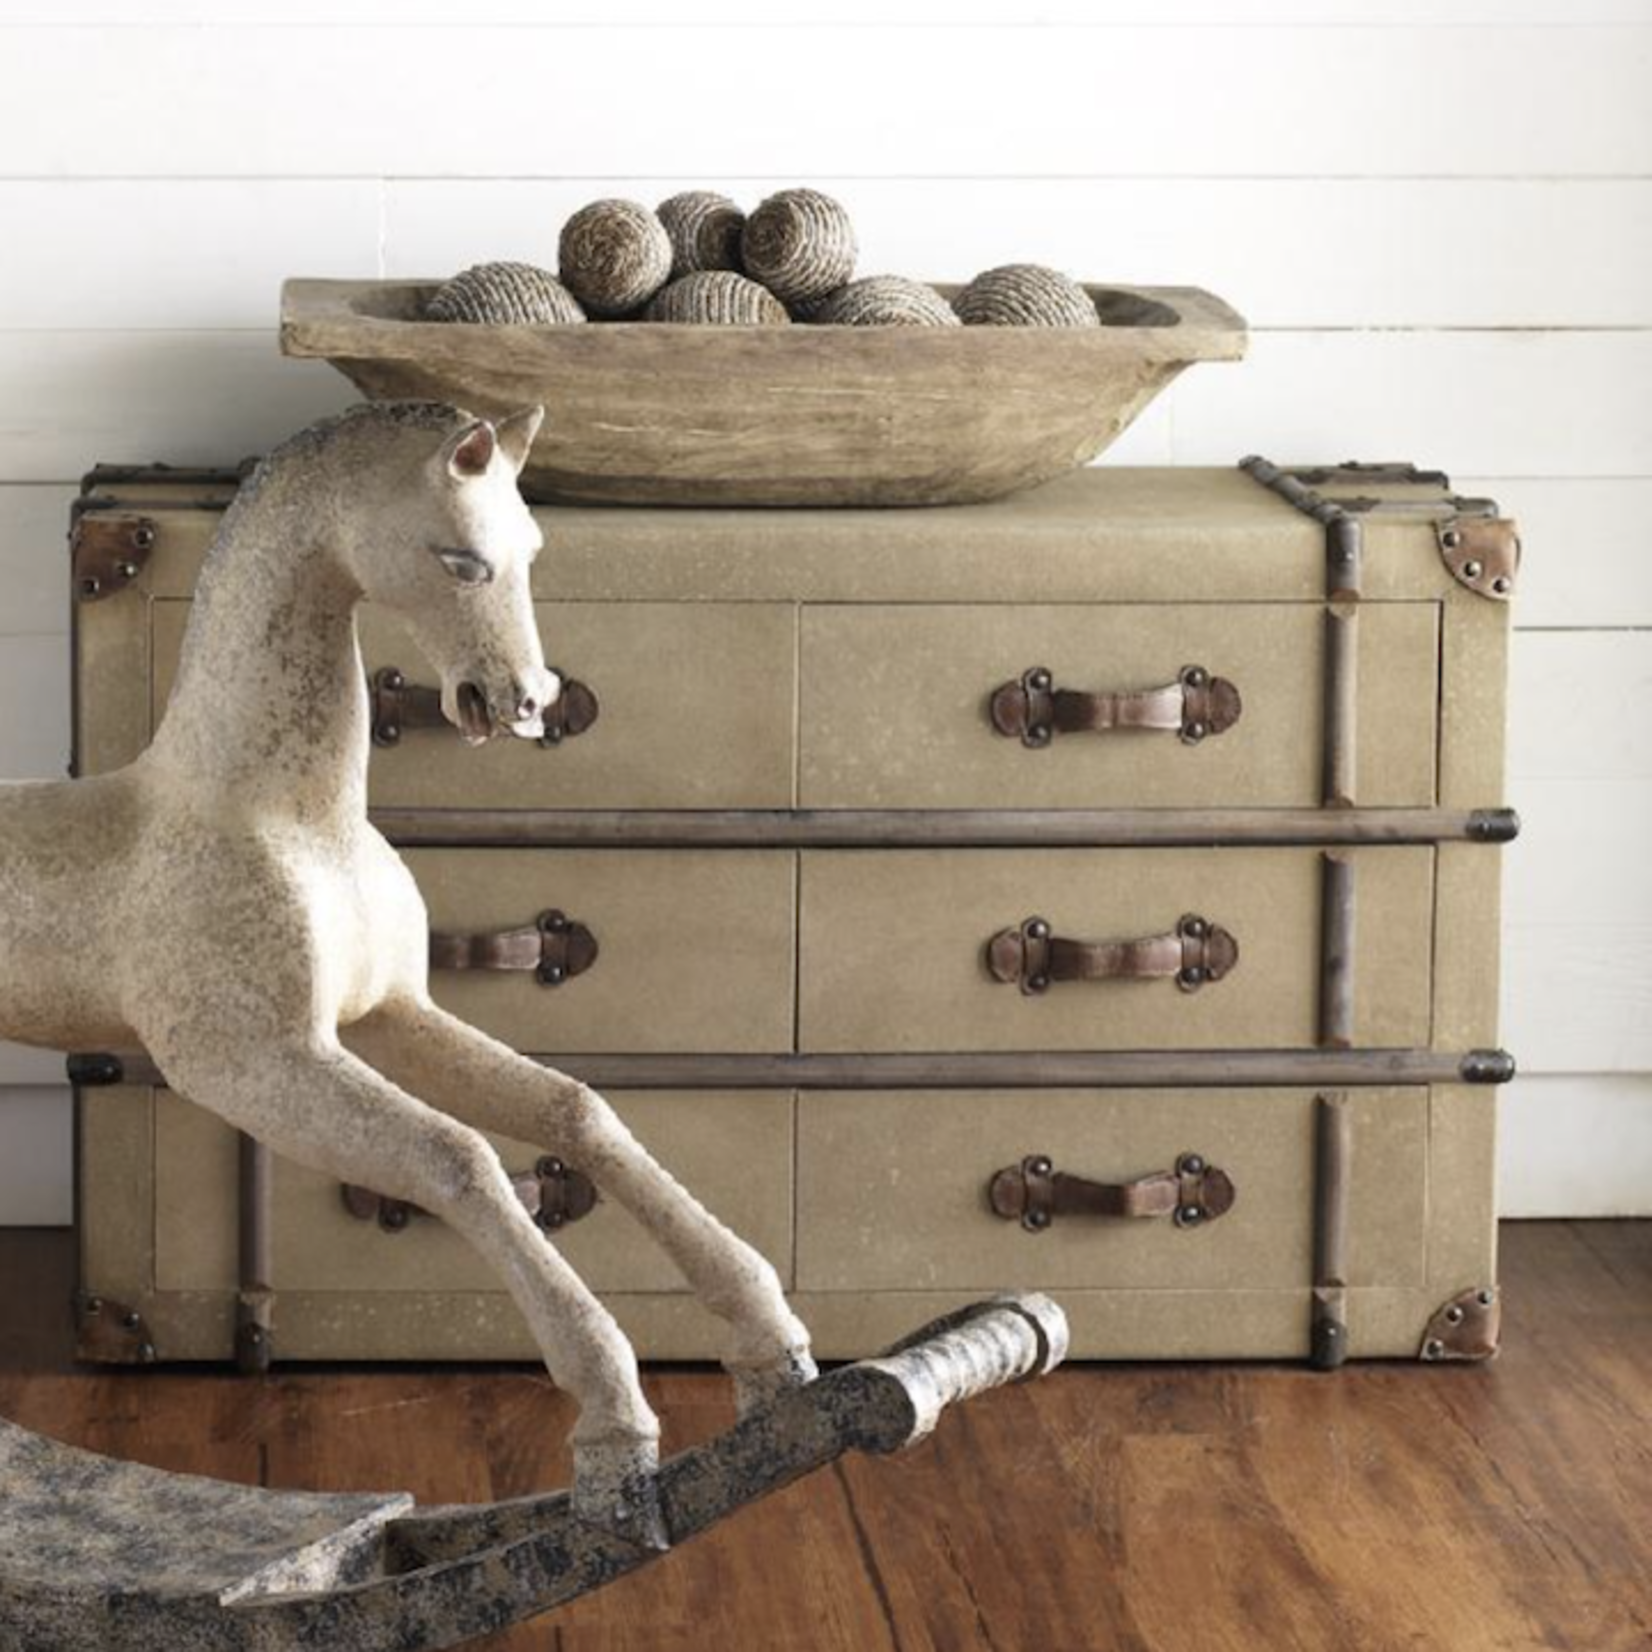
[1387, 1508]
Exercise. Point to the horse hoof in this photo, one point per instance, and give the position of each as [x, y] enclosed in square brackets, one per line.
[756, 1386]
[616, 1488]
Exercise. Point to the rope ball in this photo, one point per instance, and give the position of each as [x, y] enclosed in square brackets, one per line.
[885, 301]
[1025, 295]
[801, 245]
[614, 256]
[504, 294]
[704, 228]
[717, 298]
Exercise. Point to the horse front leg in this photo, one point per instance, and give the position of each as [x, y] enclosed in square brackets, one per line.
[476, 1078]
[324, 1107]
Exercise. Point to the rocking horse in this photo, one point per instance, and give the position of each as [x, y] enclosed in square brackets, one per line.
[247, 817]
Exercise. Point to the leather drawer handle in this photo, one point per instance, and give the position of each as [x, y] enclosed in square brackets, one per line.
[1034, 1193]
[1194, 952]
[554, 947]
[1033, 710]
[398, 705]
[553, 1193]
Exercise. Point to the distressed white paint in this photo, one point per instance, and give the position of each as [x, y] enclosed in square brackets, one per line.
[1437, 213]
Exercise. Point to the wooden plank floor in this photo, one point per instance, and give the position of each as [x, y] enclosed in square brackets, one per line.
[1126, 1508]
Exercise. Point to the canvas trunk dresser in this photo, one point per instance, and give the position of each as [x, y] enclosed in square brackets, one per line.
[1094, 891]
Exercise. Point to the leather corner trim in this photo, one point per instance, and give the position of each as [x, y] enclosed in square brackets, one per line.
[1465, 1329]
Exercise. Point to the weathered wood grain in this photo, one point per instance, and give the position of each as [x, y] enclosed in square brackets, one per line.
[645, 413]
[1118, 1508]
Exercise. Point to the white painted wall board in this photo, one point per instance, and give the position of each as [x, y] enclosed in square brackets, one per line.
[1576, 1145]
[67, 399]
[1578, 254]
[871, 14]
[1492, 402]
[1586, 547]
[22, 1064]
[1508, 403]
[36, 1129]
[34, 560]
[34, 695]
[329, 101]
[192, 254]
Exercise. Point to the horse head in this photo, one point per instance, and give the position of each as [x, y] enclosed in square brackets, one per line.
[449, 550]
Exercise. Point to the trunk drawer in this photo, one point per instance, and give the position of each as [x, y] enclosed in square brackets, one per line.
[695, 948]
[895, 705]
[894, 948]
[892, 1189]
[734, 1149]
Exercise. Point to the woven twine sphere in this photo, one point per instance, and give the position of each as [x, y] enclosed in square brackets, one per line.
[884, 301]
[508, 294]
[1025, 295]
[614, 256]
[717, 298]
[800, 245]
[704, 228]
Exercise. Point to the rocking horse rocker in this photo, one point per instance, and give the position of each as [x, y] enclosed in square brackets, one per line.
[248, 816]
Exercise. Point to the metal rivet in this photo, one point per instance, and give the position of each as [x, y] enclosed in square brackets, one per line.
[1189, 1215]
[1451, 539]
[1037, 1218]
[1486, 1298]
[552, 923]
[552, 974]
[147, 1354]
[1195, 731]
[552, 735]
[132, 1320]
[1039, 733]
[143, 537]
[89, 587]
[1039, 983]
[1473, 570]
[94, 1304]
[1038, 678]
[1433, 1348]
[1454, 1315]
[127, 570]
[394, 679]
[1191, 976]
[1192, 1165]
[389, 733]
[393, 1217]
[1501, 585]
[1194, 927]
[550, 1168]
[1040, 1166]
[1038, 928]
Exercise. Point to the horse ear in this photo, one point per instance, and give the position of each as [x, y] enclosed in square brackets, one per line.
[516, 434]
[470, 451]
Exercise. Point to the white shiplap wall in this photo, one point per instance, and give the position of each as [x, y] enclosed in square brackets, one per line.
[1438, 217]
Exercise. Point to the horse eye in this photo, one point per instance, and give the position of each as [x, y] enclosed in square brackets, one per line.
[468, 567]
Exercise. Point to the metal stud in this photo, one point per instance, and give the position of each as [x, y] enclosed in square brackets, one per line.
[1190, 1216]
[143, 537]
[1195, 731]
[1454, 1315]
[1194, 676]
[1039, 678]
[551, 975]
[1501, 585]
[1041, 1166]
[1451, 539]
[1039, 983]
[1433, 1349]
[1473, 570]
[127, 570]
[1038, 929]
[1191, 1165]
[1190, 977]
[1486, 1298]
[1036, 1219]
[1039, 734]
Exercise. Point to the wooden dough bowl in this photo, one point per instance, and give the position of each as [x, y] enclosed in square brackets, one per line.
[663, 414]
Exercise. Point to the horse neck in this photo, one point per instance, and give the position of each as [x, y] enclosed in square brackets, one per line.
[268, 713]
